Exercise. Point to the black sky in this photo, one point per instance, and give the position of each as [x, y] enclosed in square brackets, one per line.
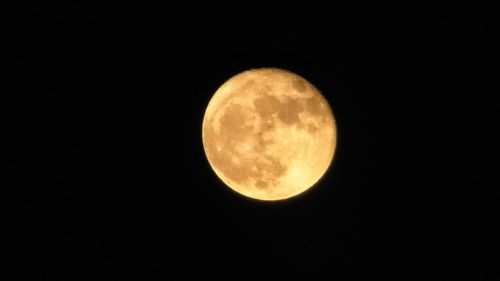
[106, 179]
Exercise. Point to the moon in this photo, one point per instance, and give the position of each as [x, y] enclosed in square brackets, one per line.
[269, 134]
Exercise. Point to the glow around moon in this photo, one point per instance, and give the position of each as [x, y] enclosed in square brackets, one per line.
[269, 134]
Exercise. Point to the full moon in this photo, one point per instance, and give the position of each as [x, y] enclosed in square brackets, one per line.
[269, 134]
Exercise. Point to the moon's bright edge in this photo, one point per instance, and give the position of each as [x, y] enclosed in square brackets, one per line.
[269, 134]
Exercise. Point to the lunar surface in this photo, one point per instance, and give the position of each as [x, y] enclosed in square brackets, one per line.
[269, 134]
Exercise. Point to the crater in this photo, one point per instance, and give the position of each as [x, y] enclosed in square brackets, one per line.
[299, 85]
[315, 106]
[312, 128]
[261, 184]
[233, 125]
[266, 105]
[289, 111]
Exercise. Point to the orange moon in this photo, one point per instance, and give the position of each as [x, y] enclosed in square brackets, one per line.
[269, 134]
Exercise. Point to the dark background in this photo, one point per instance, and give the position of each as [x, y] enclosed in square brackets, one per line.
[105, 177]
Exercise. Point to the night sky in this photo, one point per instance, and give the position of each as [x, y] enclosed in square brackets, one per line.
[105, 176]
